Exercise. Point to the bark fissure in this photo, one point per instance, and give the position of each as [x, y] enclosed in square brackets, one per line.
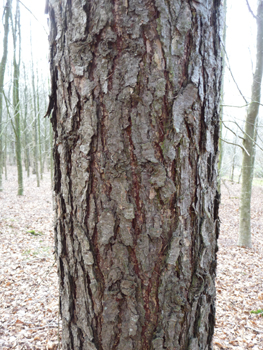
[133, 94]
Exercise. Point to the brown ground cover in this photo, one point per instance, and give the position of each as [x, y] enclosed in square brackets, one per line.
[28, 281]
[239, 275]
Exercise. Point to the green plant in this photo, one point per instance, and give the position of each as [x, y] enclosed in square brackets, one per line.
[26, 252]
[257, 312]
[34, 233]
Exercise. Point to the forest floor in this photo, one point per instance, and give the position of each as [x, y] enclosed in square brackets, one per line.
[239, 281]
[28, 280]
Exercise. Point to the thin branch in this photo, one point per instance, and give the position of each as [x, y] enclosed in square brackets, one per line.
[33, 16]
[235, 106]
[254, 329]
[8, 112]
[236, 144]
[228, 66]
[250, 10]
[246, 105]
[233, 131]
[251, 138]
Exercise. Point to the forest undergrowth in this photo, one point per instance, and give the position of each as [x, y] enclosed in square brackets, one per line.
[28, 281]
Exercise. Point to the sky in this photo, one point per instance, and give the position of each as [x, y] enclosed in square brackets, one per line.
[39, 36]
[241, 51]
[39, 29]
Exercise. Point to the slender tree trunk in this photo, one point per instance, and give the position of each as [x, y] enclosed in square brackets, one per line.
[254, 148]
[26, 126]
[244, 238]
[233, 163]
[16, 100]
[5, 157]
[135, 98]
[51, 161]
[35, 124]
[220, 142]
[16, 104]
[39, 128]
[7, 12]
[46, 158]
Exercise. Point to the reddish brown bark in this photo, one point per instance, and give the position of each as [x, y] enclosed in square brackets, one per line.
[135, 97]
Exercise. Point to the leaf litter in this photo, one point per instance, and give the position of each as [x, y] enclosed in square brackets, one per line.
[239, 282]
[29, 284]
[28, 275]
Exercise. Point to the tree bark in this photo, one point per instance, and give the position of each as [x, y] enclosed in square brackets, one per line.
[135, 97]
[244, 238]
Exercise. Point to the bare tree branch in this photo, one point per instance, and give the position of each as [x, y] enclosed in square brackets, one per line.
[7, 103]
[246, 105]
[250, 10]
[33, 15]
[232, 131]
[230, 121]
[236, 144]
[232, 75]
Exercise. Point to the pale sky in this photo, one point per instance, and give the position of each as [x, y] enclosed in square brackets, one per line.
[241, 50]
[39, 36]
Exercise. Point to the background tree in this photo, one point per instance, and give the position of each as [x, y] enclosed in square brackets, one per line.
[244, 238]
[7, 11]
[35, 118]
[135, 96]
[220, 141]
[26, 126]
[16, 30]
[17, 114]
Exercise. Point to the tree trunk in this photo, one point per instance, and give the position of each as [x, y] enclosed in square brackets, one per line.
[35, 123]
[26, 127]
[221, 113]
[16, 99]
[39, 129]
[244, 238]
[233, 162]
[51, 161]
[135, 97]
[7, 11]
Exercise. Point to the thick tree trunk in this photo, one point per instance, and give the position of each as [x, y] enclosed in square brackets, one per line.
[244, 238]
[135, 95]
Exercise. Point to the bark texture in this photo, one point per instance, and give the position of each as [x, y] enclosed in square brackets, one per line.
[135, 95]
[247, 171]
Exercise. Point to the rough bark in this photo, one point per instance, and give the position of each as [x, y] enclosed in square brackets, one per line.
[135, 96]
[244, 238]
